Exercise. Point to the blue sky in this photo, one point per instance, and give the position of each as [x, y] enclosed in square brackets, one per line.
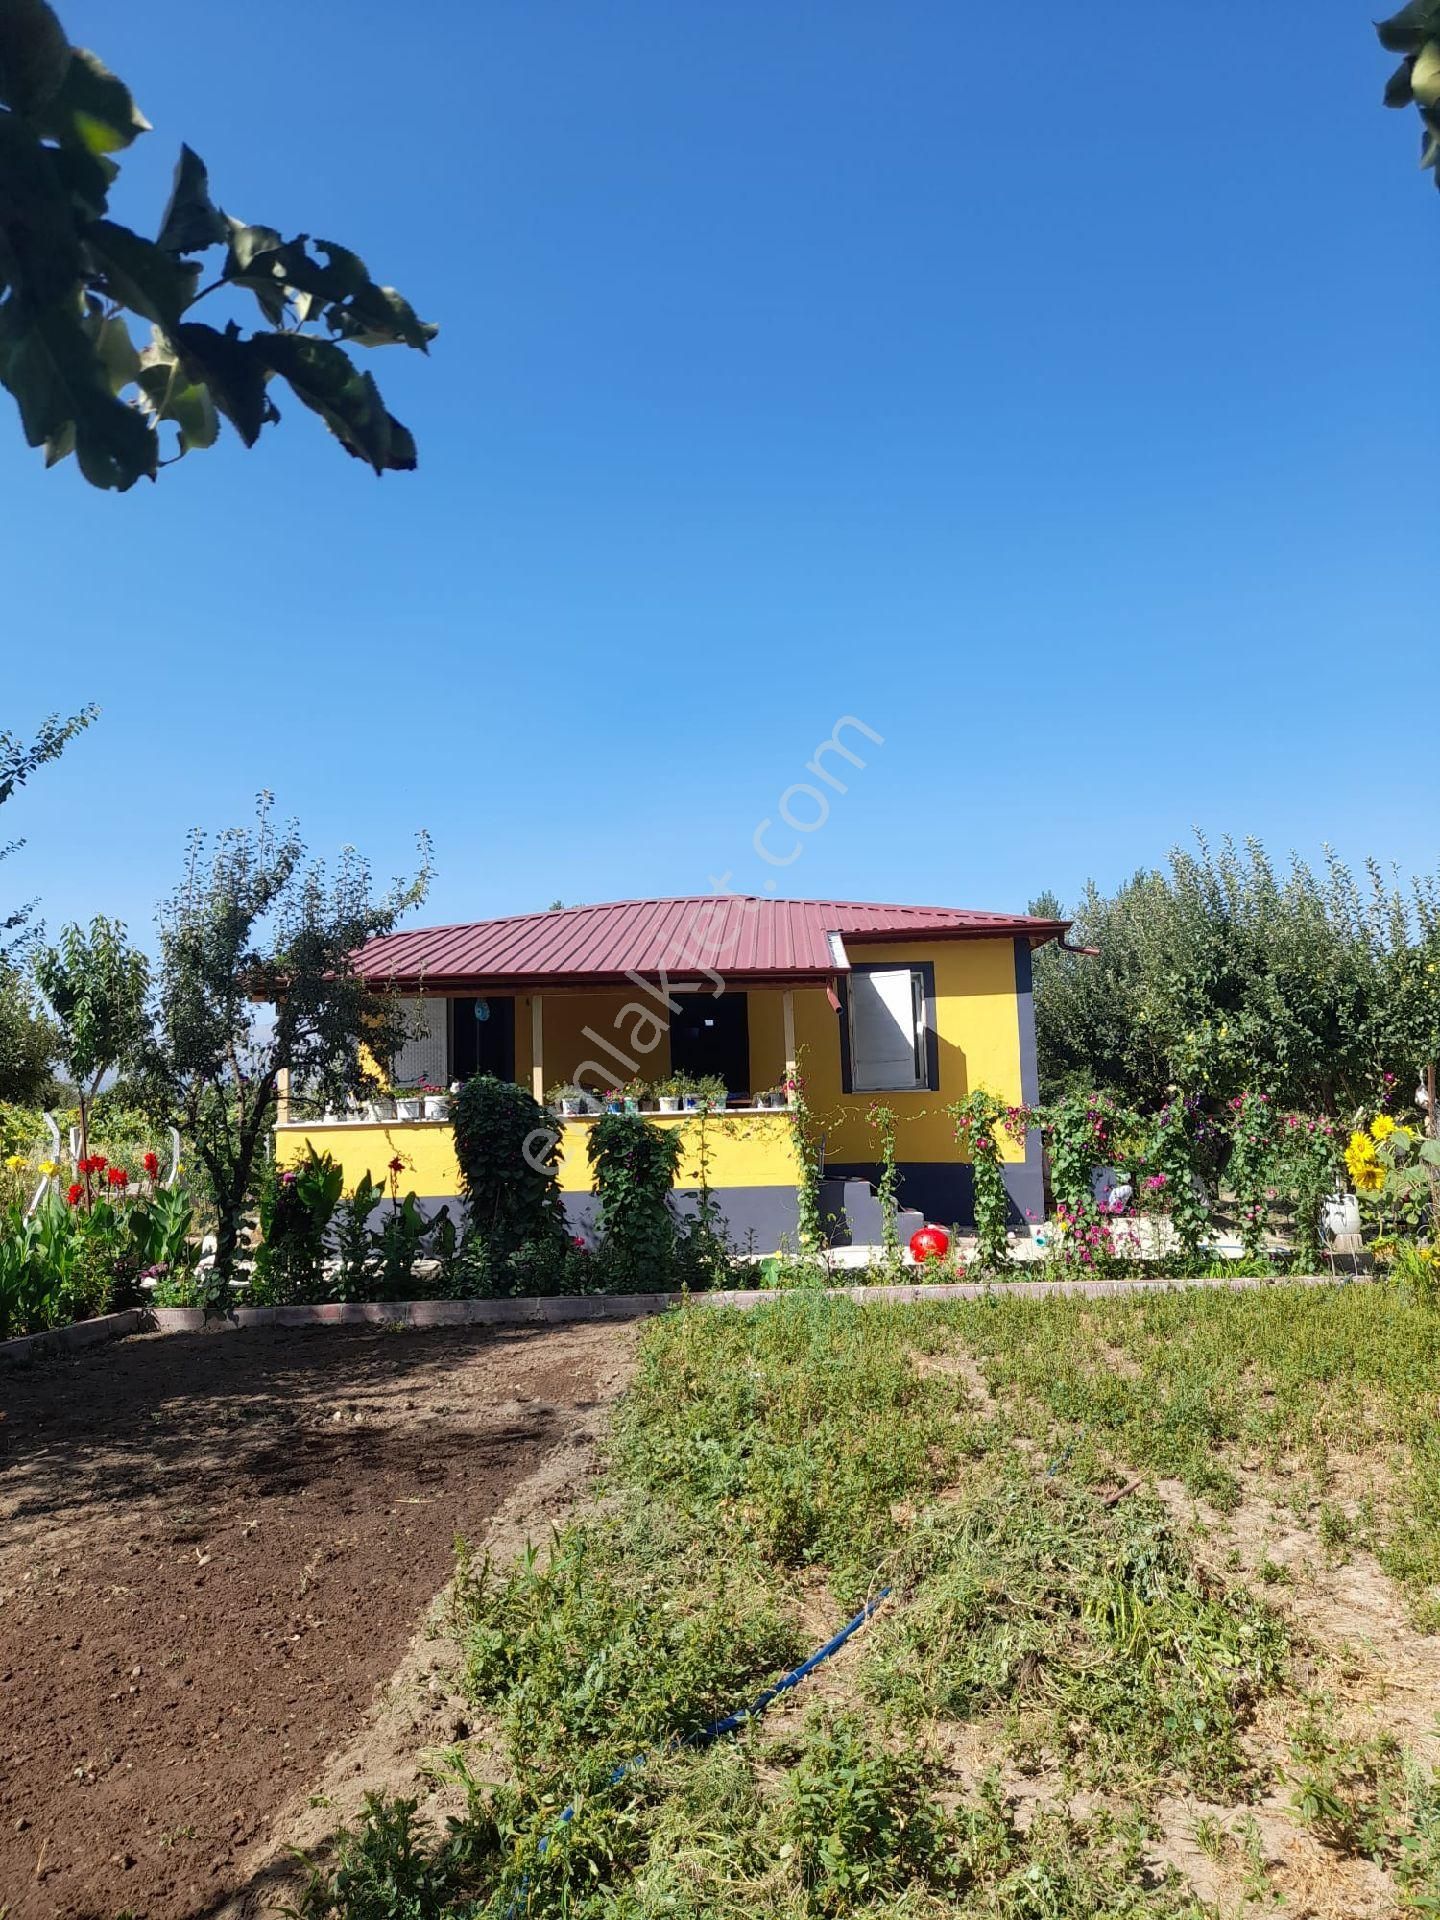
[1055, 402]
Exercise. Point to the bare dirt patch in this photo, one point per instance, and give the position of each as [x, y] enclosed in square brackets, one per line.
[213, 1549]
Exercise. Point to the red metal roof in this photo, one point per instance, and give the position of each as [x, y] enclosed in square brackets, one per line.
[742, 936]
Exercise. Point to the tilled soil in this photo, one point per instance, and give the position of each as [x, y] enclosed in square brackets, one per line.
[213, 1547]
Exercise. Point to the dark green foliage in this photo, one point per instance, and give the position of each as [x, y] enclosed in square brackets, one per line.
[508, 1150]
[296, 1206]
[18, 760]
[1220, 976]
[634, 1163]
[71, 279]
[861, 1819]
[257, 974]
[1414, 32]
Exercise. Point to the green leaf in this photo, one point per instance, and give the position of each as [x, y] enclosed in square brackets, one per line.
[141, 275]
[1430, 1152]
[170, 395]
[191, 220]
[92, 108]
[87, 177]
[381, 317]
[328, 382]
[116, 352]
[1425, 75]
[60, 384]
[1408, 30]
[1397, 88]
[233, 369]
[42, 252]
[34, 54]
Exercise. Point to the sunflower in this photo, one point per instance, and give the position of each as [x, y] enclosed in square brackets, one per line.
[1365, 1169]
[1381, 1127]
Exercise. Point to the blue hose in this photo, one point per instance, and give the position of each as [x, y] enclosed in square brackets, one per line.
[730, 1723]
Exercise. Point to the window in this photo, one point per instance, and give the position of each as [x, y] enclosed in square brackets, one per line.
[423, 1054]
[887, 1033]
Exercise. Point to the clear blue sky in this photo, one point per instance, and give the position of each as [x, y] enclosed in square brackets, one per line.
[1058, 402]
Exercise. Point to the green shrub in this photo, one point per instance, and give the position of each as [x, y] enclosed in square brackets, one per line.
[634, 1163]
[509, 1150]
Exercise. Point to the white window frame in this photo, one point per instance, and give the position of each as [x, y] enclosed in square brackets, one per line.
[864, 1078]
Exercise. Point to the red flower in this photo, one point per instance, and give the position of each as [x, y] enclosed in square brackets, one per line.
[118, 1177]
[74, 1193]
[397, 1165]
[151, 1164]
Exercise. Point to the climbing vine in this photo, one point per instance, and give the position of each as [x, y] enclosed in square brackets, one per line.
[805, 1137]
[887, 1187]
[979, 1120]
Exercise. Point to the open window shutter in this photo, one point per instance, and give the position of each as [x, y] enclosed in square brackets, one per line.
[886, 1051]
[423, 1055]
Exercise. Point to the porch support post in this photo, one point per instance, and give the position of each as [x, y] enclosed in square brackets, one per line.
[787, 1013]
[537, 1048]
[282, 1096]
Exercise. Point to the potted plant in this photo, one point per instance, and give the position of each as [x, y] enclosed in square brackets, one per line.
[713, 1093]
[409, 1102]
[669, 1092]
[567, 1098]
[771, 1097]
[633, 1092]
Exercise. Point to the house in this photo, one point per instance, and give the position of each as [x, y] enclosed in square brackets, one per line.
[909, 1006]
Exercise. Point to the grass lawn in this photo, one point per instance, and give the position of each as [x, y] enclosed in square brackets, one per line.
[1163, 1580]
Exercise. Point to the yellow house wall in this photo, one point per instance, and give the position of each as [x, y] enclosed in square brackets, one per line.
[978, 1025]
[744, 1150]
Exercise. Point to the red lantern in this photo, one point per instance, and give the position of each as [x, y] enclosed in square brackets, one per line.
[929, 1243]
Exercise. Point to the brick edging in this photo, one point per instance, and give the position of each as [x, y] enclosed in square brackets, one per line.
[80, 1333]
[557, 1309]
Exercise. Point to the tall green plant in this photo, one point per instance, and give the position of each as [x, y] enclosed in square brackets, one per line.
[1221, 974]
[257, 976]
[979, 1120]
[887, 1187]
[509, 1155]
[634, 1163]
[94, 983]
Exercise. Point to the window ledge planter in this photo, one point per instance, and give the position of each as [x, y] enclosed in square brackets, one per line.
[409, 1106]
[437, 1106]
[669, 1102]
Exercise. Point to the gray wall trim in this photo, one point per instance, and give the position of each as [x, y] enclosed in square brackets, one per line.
[944, 1190]
[1025, 1005]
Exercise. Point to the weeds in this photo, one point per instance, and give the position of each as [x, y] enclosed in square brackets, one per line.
[801, 1455]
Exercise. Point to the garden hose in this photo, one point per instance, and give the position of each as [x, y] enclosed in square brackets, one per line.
[729, 1723]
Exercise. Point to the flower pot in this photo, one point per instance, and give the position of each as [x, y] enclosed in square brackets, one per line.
[692, 1102]
[379, 1111]
[1340, 1215]
[570, 1108]
[669, 1102]
[630, 1105]
[409, 1107]
[614, 1106]
[437, 1106]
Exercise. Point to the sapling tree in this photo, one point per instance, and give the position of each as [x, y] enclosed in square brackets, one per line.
[94, 983]
[18, 760]
[257, 976]
[74, 282]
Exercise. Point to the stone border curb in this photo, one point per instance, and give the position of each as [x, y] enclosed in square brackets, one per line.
[543, 1311]
[560, 1308]
[80, 1333]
